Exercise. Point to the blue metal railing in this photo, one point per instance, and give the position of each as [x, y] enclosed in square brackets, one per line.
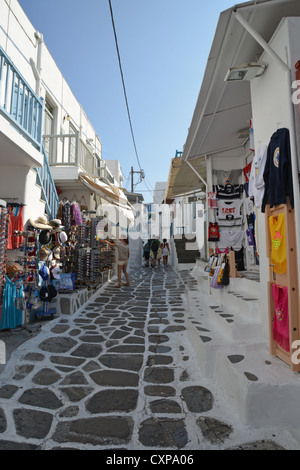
[19, 103]
[24, 110]
[49, 193]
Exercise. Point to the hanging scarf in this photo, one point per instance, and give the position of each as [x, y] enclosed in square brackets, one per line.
[281, 332]
[278, 249]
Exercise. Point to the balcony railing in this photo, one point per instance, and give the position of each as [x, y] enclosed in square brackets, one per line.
[70, 150]
[19, 103]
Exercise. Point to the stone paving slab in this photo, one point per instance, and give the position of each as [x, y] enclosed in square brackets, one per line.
[119, 374]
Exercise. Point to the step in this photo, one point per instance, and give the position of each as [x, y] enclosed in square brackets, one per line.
[240, 301]
[260, 387]
[234, 325]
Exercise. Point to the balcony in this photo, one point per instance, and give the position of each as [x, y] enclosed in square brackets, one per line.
[19, 104]
[69, 156]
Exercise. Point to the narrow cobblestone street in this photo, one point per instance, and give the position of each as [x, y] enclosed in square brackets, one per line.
[120, 374]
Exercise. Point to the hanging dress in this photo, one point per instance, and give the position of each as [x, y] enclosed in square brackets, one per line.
[15, 222]
[11, 316]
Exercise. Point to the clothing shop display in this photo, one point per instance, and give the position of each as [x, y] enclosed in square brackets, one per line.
[247, 171]
[256, 181]
[228, 191]
[239, 258]
[281, 316]
[229, 210]
[278, 243]
[213, 232]
[227, 176]
[212, 199]
[11, 314]
[15, 223]
[278, 171]
[231, 237]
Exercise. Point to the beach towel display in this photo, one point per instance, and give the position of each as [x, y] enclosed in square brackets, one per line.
[281, 316]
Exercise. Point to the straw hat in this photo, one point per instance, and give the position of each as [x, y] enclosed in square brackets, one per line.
[45, 254]
[56, 225]
[40, 222]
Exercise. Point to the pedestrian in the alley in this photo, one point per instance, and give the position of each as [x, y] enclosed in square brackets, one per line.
[159, 254]
[153, 250]
[165, 252]
[122, 246]
[146, 253]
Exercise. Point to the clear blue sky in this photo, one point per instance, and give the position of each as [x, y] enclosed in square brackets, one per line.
[164, 47]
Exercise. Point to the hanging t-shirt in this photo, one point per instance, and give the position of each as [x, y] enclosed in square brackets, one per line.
[231, 237]
[247, 171]
[256, 187]
[212, 199]
[278, 175]
[281, 317]
[278, 241]
[228, 191]
[239, 259]
[213, 232]
[228, 210]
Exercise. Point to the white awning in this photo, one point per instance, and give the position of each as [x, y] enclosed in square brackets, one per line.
[111, 194]
[223, 109]
[182, 179]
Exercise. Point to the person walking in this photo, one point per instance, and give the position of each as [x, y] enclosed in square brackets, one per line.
[122, 246]
[159, 254]
[165, 252]
[153, 250]
[146, 253]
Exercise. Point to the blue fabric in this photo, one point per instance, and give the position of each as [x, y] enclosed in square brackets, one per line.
[11, 317]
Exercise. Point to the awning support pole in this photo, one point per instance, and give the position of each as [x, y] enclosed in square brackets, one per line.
[261, 41]
[196, 172]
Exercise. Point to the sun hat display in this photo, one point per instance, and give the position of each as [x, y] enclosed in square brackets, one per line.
[44, 273]
[56, 225]
[45, 254]
[62, 237]
[40, 222]
[56, 252]
[48, 293]
[56, 272]
[44, 237]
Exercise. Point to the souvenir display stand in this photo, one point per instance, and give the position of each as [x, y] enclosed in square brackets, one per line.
[287, 282]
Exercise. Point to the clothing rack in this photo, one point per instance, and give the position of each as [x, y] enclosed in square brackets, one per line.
[289, 279]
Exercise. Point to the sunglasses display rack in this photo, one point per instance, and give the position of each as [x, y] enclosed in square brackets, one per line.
[3, 243]
[88, 257]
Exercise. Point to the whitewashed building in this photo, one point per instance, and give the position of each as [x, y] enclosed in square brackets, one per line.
[51, 140]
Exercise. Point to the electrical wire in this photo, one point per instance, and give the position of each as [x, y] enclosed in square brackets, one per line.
[123, 83]
[124, 89]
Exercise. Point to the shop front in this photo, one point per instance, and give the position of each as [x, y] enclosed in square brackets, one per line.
[246, 125]
[50, 266]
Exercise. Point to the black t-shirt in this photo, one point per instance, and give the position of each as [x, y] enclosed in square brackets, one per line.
[154, 245]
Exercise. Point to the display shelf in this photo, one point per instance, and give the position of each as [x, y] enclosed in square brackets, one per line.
[289, 279]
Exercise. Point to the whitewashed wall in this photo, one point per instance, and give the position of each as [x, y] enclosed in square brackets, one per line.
[271, 106]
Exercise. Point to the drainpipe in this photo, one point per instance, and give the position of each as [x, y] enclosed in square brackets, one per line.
[294, 160]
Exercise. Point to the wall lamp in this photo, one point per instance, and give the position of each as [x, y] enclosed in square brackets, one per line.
[245, 72]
